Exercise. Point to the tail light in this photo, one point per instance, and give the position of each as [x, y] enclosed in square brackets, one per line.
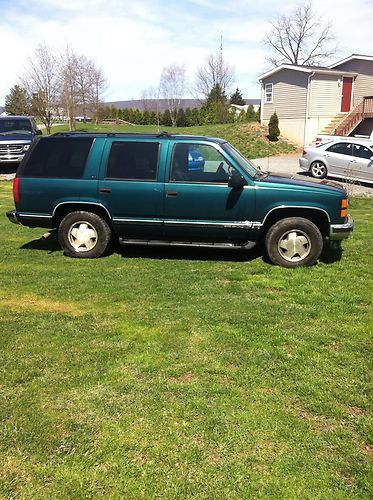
[344, 206]
[16, 190]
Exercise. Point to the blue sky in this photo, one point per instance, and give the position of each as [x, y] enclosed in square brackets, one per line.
[132, 40]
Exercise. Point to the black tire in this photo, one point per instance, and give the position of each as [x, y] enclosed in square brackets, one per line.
[294, 242]
[84, 235]
[318, 170]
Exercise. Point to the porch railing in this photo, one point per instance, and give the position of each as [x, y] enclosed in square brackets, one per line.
[363, 110]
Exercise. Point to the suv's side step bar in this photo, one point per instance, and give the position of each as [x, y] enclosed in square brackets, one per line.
[246, 246]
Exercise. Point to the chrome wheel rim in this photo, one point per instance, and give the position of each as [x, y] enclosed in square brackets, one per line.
[318, 169]
[294, 245]
[82, 236]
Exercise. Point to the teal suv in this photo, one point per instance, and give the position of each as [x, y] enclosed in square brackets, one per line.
[141, 189]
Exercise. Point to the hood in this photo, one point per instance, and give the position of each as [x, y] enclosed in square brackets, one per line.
[17, 138]
[299, 180]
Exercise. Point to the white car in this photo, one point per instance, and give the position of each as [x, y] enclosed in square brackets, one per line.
[350, 159]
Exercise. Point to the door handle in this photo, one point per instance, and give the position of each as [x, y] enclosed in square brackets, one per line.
[171, 194]
[105, 190]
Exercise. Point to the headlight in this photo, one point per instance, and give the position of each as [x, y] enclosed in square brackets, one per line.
[26, 147]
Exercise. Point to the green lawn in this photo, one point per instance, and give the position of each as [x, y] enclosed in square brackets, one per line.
[249, 138]
[169, 373]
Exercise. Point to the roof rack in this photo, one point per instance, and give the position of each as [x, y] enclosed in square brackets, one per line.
[164, 133]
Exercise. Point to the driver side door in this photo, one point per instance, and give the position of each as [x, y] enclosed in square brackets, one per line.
[198, 204]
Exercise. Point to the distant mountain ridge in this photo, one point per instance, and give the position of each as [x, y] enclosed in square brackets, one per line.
[161, 104]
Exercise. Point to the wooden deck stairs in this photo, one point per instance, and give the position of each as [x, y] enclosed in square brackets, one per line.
[344, 124]
[329, 129]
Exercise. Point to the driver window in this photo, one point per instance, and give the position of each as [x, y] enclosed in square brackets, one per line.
[199, 163]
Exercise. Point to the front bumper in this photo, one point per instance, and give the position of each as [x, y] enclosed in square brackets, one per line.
[342, 231]
[11, 158]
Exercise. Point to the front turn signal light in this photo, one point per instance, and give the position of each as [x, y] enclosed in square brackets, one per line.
[344, 203]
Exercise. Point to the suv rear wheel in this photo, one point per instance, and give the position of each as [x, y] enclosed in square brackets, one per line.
[84, 235]
[294, 242]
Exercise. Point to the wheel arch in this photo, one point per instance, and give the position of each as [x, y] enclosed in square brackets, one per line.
[64, 208]
[316, 215]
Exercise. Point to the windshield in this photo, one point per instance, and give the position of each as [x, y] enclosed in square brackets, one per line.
[241, 160]
[10, 125]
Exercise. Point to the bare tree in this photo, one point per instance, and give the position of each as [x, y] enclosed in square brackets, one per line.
[172, 86]
[215, 74]
[301, 38]
[99, 86]
[69, 87]
[82, 85]
[70, 81]
[43, 83]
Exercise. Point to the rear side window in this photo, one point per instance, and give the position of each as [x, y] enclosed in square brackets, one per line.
[342, 148]
[61, 157]
[133, 160]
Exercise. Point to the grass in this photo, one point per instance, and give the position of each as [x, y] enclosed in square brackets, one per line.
[156, 373]
[249, 138]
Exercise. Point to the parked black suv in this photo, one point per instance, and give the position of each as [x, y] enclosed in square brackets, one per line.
[16, 136]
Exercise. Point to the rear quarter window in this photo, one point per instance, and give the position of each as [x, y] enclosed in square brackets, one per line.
[58, 157]
[133, 160]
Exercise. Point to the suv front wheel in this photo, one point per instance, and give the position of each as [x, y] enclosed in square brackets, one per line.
[84, 235]
[294, 242]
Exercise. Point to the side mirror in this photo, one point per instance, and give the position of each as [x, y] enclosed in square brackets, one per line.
[38, 132]
[236, 181]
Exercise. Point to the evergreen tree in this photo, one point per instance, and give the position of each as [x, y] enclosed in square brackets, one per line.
[166, 118]
[188, 117]
[17, 101]
[137, 117]
[145, 120]
[196, 117]
[113, 112]
[251, 116]
[237, 98]
[215, 108]
[181, 118]
[152, 118]
[273, 130]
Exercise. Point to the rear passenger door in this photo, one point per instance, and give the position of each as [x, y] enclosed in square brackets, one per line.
[363, 163]
[131, 185]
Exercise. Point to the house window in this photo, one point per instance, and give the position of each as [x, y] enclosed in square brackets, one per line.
[268, 92]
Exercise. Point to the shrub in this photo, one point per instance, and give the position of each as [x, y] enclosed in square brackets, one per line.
[273, 130]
